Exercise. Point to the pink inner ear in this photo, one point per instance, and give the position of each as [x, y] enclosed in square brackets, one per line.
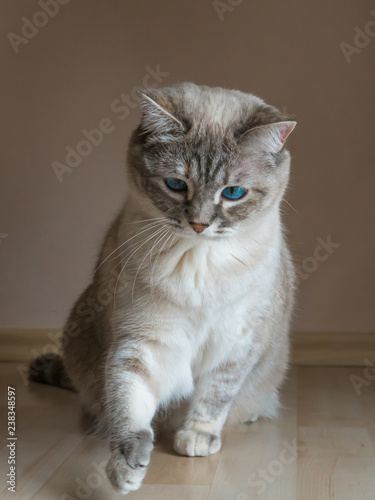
[285, 129]
[270, 137]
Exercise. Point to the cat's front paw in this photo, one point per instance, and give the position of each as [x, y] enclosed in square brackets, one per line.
[196, 444]
[129, 460]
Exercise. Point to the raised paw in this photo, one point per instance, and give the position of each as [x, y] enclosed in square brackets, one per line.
[196, 444]
[129, 460]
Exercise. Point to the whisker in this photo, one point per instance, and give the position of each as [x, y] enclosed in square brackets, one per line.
[146, 220]
[159, 238]
[171, 243]
[291, 206]
[135, 251]
[154, 265]
[129, 249]
[239, 260]
[138, 233]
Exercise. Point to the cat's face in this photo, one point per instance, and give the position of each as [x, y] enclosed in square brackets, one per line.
[209, 160]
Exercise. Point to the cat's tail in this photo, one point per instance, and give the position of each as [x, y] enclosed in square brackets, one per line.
[49, 369]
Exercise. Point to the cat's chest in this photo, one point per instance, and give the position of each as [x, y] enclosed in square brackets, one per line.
[224, 334]
[211, 277]
[215, 302]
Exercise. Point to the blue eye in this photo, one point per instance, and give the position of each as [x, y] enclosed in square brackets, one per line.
[233, 192]
[176, 184]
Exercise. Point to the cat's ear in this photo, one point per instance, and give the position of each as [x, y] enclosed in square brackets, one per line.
[158, 114]
[270, 137]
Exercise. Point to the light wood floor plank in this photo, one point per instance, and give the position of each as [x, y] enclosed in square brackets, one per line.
[45, 416]
[40, 434]
[328, 441]
[335, 458]
[36, 474]
[167, 467]
[326, 397]
[82, 475]
[335, 477]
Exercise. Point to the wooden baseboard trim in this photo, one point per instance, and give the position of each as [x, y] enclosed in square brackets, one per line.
[26, 344]
[309, 348]
[333, 349]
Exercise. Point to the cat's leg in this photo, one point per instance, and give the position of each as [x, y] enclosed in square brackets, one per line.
[259, 393]
[253, 403]
[130, 406]
[137, 378]
[208, 410]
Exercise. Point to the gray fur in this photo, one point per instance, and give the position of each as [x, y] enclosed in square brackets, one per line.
[193, 326]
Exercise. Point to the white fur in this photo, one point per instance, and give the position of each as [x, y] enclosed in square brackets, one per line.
[209, 295]
[199, 322]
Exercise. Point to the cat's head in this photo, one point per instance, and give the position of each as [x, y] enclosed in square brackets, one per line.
[209, 160]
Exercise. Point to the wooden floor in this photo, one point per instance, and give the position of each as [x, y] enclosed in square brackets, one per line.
[322, 447]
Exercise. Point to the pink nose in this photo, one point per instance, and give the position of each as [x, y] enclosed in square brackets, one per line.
[198, 228]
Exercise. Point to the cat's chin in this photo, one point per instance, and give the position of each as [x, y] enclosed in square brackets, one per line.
[210, 234]
[202, 236]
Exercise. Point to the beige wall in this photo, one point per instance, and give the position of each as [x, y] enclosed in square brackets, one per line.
[66, 78]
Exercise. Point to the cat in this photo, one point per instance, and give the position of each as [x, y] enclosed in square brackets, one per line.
[189, 307]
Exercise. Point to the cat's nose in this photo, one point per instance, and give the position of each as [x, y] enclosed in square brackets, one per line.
[198, 228]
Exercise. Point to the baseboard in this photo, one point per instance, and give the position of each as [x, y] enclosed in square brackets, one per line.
[309, 348]
[333, 349]
[25, 344]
